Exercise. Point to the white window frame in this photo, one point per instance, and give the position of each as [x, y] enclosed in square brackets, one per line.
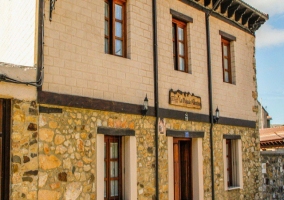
[129, 166]
[238, 167]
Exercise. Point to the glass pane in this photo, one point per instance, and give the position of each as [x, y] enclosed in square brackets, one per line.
[113, 169]
[106, 28]
[225, 63]
[180, 33]
[174, 48]
[106, 46]
[114, 188]
[105, 150]
[105, 190]
[118, 47]
[105, 169]
[106, 10]
[118, 29]
[181, 64]
[113, 150]
[118, 12]
[226, 76]
[225, 50]
[181, 49]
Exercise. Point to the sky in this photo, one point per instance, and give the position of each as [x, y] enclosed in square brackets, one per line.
[270, 58]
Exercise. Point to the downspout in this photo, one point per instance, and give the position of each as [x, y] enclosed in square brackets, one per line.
[40, 39]
[156, 93]
[207, 15]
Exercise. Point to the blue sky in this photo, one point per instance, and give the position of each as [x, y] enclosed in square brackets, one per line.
[270, 58]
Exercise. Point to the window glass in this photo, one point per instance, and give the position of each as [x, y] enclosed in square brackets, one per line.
[226, 63]
[118, 12]
[181, 64]
[114, 188]
[118, 29]
[225, 50]
[118, 47]
[181, 49]
[106, 9]
[180, 33]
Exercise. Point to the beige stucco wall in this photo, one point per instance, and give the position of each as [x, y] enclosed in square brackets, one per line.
[75, 61]
[233, 100]
[76, 64]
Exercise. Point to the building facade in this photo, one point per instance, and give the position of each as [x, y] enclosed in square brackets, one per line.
[84, 132]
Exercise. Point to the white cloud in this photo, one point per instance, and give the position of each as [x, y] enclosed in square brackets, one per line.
[271, 7]
[269, 36]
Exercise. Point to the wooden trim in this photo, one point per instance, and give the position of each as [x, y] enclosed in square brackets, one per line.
[231, 137]
[185, 134]
[181, 16]
[227, 36]
[6, 165]
[48, 110]
[112, 106]
[115, 131]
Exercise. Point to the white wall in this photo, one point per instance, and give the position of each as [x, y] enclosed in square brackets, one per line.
[17, 32]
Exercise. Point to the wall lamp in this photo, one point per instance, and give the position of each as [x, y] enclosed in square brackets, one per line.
[217, 115]
[145, 106]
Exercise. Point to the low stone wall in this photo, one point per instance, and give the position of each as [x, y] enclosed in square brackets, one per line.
[272, 174]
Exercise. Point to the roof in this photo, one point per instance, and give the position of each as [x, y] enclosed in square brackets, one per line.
[236, 11]
[272, 137]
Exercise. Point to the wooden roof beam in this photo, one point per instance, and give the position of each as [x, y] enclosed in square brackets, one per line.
[239, 13]
[225, 5]
[233, 9]
[246, 17]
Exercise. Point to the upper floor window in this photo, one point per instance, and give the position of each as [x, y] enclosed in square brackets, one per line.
[115, 27]
[226, 60]
[179, 45]
[228, 57]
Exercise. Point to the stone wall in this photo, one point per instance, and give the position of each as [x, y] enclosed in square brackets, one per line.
[250, 158]
[54, 154]
[24, 150]
[67, 157]
[272, 164]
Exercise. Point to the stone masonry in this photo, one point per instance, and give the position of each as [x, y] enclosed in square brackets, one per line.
[272, 164]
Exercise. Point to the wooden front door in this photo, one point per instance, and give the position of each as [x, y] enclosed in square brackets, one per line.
[182, 169]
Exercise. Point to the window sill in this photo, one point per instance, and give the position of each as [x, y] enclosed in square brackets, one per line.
[234, 188]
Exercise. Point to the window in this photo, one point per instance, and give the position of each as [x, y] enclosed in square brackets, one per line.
[115, 27]
[226, 60]
[179, 45]
[116, 172]
[112, 167]
[232, 164]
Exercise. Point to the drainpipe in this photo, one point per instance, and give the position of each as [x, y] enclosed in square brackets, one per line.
[156, 93]
[207, 15]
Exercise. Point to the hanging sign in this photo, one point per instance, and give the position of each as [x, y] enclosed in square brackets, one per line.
[184, 99]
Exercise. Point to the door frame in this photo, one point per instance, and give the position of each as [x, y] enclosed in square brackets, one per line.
[177, 167]
[5, 134]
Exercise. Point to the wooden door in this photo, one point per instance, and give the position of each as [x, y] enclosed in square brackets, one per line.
[182, 169]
